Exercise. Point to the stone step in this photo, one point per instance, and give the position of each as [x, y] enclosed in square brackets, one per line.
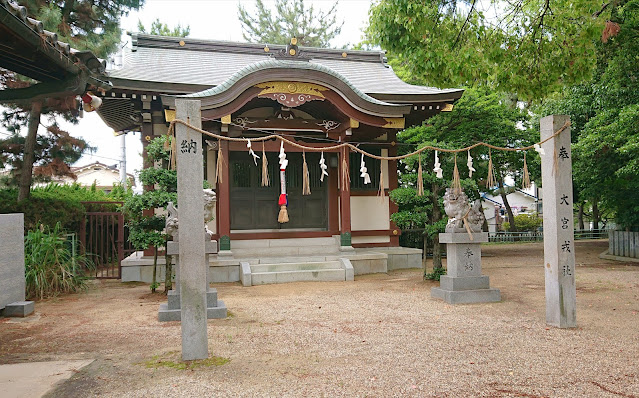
[321, 275]
[295, 266]
[282, 251]
[290, 242]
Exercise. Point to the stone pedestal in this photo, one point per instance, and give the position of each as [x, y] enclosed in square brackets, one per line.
[171, 311]
[463, 282]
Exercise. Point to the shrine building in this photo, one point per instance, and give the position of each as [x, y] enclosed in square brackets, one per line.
[315, 97]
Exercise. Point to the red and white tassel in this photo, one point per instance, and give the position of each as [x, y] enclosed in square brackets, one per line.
[283, 200]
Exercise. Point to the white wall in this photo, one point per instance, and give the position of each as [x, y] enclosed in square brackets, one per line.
[370, 213]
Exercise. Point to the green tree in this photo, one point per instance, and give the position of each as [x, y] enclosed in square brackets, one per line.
[531, 47]
[291, 19]
[604, 114]
[86, 25]
[478, 116]
[146, 228]
[159, 28]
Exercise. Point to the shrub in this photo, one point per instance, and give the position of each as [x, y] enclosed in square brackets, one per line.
[50, 267]
[525, 222]
[52, 204]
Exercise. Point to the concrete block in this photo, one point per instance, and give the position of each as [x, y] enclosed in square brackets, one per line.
[18, 309]
[463, 237]
[369, 266]
[349, 272]
[229, 273]
[466, 296]
[414, 260]
[464, 283]
[245, 274]
[173, 298]
[11, 258]
[167, 315]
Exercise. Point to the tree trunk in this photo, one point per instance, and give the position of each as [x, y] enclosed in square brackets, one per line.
[509, 211]
[168, 277]
[436, 216]
[580, 216]
[155, 269]
[26, 175]
[424, 253]
[595, 215]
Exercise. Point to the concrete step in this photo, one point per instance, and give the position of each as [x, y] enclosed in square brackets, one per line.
[283, 251]
[289, 242]
[323, 275]
[295, 266]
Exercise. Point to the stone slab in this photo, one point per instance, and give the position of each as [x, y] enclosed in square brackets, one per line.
[18, 309]
[463, 259]
[466, 296]
[173, 298]
[459, 237]
[369, 266]
[348, 269]
[173, 248]
[166, 315]
[447, 282]
[245, 273]
[35, 379]
[11, 258]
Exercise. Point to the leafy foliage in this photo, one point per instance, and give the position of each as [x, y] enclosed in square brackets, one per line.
[525, 222]
[92, 25]
[291, 19]
[52, 204]
[51, 268]
[55, 150]
[146, 230]
[531, 47]
[605, 115]
[162, 29]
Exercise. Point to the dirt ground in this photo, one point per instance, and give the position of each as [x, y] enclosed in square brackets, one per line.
[381, 335]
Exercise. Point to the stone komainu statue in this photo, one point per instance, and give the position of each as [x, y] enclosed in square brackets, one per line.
[458, 208]
[172, 223]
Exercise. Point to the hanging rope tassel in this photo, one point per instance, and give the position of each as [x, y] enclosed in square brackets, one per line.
[380, 191]
[420, 177]
[525, 184]
[266, 182]
[490, 180]
[456, 180]
[282, 217]
[306, 183]
[220, 164]
[346, 178]
[173, 158]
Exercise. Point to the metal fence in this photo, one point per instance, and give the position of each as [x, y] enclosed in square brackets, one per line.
[415, 237]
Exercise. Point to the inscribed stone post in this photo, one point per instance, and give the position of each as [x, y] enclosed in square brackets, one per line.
[559, 247]
[193, 269]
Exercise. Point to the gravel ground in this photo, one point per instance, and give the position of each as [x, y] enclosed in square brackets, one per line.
[381, 335]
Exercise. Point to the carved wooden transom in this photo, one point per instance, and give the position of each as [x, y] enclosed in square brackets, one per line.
[291, 94]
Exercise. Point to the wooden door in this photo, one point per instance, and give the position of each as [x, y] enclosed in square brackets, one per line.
[254, 207]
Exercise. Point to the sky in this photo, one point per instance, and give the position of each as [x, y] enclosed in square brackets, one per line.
[208, 19]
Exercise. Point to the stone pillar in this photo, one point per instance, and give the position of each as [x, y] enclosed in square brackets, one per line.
[12, 278]
[559, 247]
[463, 282]
[193, 269]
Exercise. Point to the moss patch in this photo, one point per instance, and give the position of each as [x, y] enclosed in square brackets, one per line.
[171, 360]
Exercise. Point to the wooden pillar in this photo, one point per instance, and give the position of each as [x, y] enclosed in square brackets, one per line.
[393, 183]
[224, 200]
[333, 194]
[193, 266]
[344, 200]
[559, 245]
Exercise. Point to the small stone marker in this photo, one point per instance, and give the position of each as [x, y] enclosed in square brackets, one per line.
[193, 269]
[12, 278]
[559, 248]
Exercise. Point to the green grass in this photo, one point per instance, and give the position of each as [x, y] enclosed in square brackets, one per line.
[50, 267]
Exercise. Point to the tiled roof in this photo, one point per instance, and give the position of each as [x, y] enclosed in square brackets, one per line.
[211, 63]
